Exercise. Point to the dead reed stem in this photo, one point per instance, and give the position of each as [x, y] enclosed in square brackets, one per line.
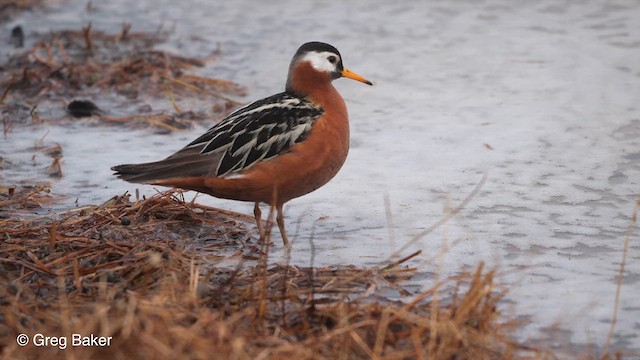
[443, 220]
[625, 252]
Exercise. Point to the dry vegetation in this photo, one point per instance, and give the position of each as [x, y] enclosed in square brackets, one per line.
[143, 273]
[116, 72]
[8, 8]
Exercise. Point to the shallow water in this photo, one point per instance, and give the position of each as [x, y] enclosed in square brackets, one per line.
[542, 97]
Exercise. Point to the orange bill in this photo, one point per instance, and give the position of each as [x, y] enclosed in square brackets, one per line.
[351, 75]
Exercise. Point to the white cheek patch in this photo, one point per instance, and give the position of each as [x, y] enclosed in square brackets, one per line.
[320, 62]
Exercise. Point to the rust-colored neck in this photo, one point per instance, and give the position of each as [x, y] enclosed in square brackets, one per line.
[315, 85]
[305, 80]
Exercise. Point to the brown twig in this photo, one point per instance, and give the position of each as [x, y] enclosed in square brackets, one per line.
[625, 252]
[86, 31]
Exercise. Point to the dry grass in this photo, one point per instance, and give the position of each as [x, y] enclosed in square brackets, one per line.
[68, 61]
[143, 273]
[111, 69]
[8, 8]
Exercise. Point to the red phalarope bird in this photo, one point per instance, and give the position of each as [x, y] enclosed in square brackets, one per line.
[272, 150]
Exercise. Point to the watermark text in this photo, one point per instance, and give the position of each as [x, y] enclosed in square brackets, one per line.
[61, 342]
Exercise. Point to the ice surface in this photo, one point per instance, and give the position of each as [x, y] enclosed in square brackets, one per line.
[540, 96]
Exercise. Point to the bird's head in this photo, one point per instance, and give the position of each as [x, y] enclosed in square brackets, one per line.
[323, 59]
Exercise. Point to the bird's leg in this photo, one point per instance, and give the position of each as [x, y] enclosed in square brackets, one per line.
[258, 214]
[280, 219]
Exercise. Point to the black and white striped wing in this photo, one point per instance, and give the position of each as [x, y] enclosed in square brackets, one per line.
[258, 131]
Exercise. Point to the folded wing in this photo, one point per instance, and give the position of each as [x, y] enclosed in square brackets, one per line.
[254, 133]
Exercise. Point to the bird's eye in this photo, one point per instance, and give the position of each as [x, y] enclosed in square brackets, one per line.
[332, 59]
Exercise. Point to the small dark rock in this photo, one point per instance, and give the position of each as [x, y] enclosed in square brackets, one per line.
[17, 37]
[83, 108]
[125, 221]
